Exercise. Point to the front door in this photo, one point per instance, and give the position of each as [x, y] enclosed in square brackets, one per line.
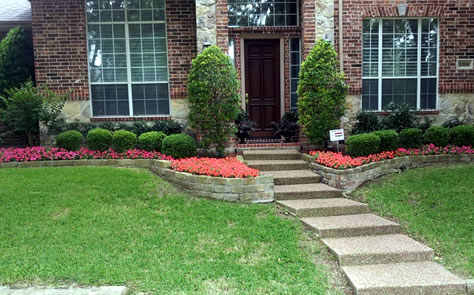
[262, 84]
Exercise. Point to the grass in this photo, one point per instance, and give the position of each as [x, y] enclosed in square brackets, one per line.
[435, 205]
[111, 226]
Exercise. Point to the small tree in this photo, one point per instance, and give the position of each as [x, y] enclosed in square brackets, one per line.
[321, 93]
[28, 106]
[16, 60]
[213, 93]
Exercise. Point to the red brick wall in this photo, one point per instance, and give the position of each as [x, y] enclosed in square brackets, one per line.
[222, 23]
[59, 39]
[308, 25]
[456, 36]
[182, 47]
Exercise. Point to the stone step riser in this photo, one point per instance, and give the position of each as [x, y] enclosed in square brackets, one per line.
[330, 211]
[307, 195]
[354, 232]
[270, 157]
[364, 259]
[278, 167]
[295, 180]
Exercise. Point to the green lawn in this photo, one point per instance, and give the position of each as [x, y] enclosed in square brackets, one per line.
[434, 204]
[111, 226]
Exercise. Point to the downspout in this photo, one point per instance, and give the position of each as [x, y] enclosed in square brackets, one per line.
[341, 46]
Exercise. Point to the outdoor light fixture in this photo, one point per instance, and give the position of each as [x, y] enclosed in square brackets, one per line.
[206, 45]
[402, 9]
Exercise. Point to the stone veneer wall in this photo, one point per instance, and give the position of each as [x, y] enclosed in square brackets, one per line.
[247, 190]
[350, 179]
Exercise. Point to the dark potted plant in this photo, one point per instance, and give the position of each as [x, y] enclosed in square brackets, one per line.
[244, 125]
[288, 126]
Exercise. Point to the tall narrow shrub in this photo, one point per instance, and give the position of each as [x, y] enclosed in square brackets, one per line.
[213, 94]
[321, 93]
[16, 60]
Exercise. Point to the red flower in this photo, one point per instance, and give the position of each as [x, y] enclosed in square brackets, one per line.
[226, 167]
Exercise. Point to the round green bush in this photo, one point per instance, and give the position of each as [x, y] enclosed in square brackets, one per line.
[124, 140]
[462, 135]
[99, 139]
[411, 138]
[437, 135]
[388, 140]
[179, 146]
[70, 140]
[362, 145]
[151, 141]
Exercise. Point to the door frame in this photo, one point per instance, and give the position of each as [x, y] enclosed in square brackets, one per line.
[282, 65]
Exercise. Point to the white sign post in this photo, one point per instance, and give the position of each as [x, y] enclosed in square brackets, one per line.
[336, 135]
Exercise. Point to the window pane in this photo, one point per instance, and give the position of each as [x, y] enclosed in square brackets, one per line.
[245, 13]
[370, 94]
[110, 100]
[399, 91]
[295, 60]
[150, 99]
[428, 94]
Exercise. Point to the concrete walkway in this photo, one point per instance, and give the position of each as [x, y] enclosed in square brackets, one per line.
[110, 290]
[376, 258]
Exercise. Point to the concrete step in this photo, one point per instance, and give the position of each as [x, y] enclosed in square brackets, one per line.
[324, 207]
[351, 225]
[306, 191]
[415, 278]
[378, 249]
[277, 165]
[258, 155]
[288, 177]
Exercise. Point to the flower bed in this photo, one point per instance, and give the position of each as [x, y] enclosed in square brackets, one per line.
[340, 161]
[226, 167]
[31, 154]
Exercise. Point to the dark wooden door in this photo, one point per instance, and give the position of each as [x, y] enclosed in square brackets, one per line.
[262, 84]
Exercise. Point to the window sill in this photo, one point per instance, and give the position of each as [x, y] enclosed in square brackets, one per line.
[128, 119]
[419, 113]
[264, 29]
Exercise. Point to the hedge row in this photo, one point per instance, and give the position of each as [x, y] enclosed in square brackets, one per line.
[389, 140]
[176, 145]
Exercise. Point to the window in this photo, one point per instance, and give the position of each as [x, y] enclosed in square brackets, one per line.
[258, 13]
[400, 63]
[127, 56]
[295, 61]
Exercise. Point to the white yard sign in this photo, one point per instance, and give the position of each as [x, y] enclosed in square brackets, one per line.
[336, 134]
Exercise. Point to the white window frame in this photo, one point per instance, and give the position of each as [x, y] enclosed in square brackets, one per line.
[129, 82]
[297, 18]
[380, 76]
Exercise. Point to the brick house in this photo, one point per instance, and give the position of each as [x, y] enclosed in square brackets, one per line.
[129, 60]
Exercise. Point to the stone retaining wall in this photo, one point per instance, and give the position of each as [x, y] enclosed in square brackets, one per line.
[248, 190]
[348, 180]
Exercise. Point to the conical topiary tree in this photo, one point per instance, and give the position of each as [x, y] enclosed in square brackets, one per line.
[16, 60]
[321, 93]
[213, 94]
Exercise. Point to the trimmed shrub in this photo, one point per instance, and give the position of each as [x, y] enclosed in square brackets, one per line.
[124, 140]
[70, 140]
[179, 146]
[437, 135]
[366, 122]
[99, 139]
[362, 145]
[462, 135]
[151, 141]
[411, 138]
[389, 140]
[213, 95]
[321, 93]
[16, 60]
[168, 127]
